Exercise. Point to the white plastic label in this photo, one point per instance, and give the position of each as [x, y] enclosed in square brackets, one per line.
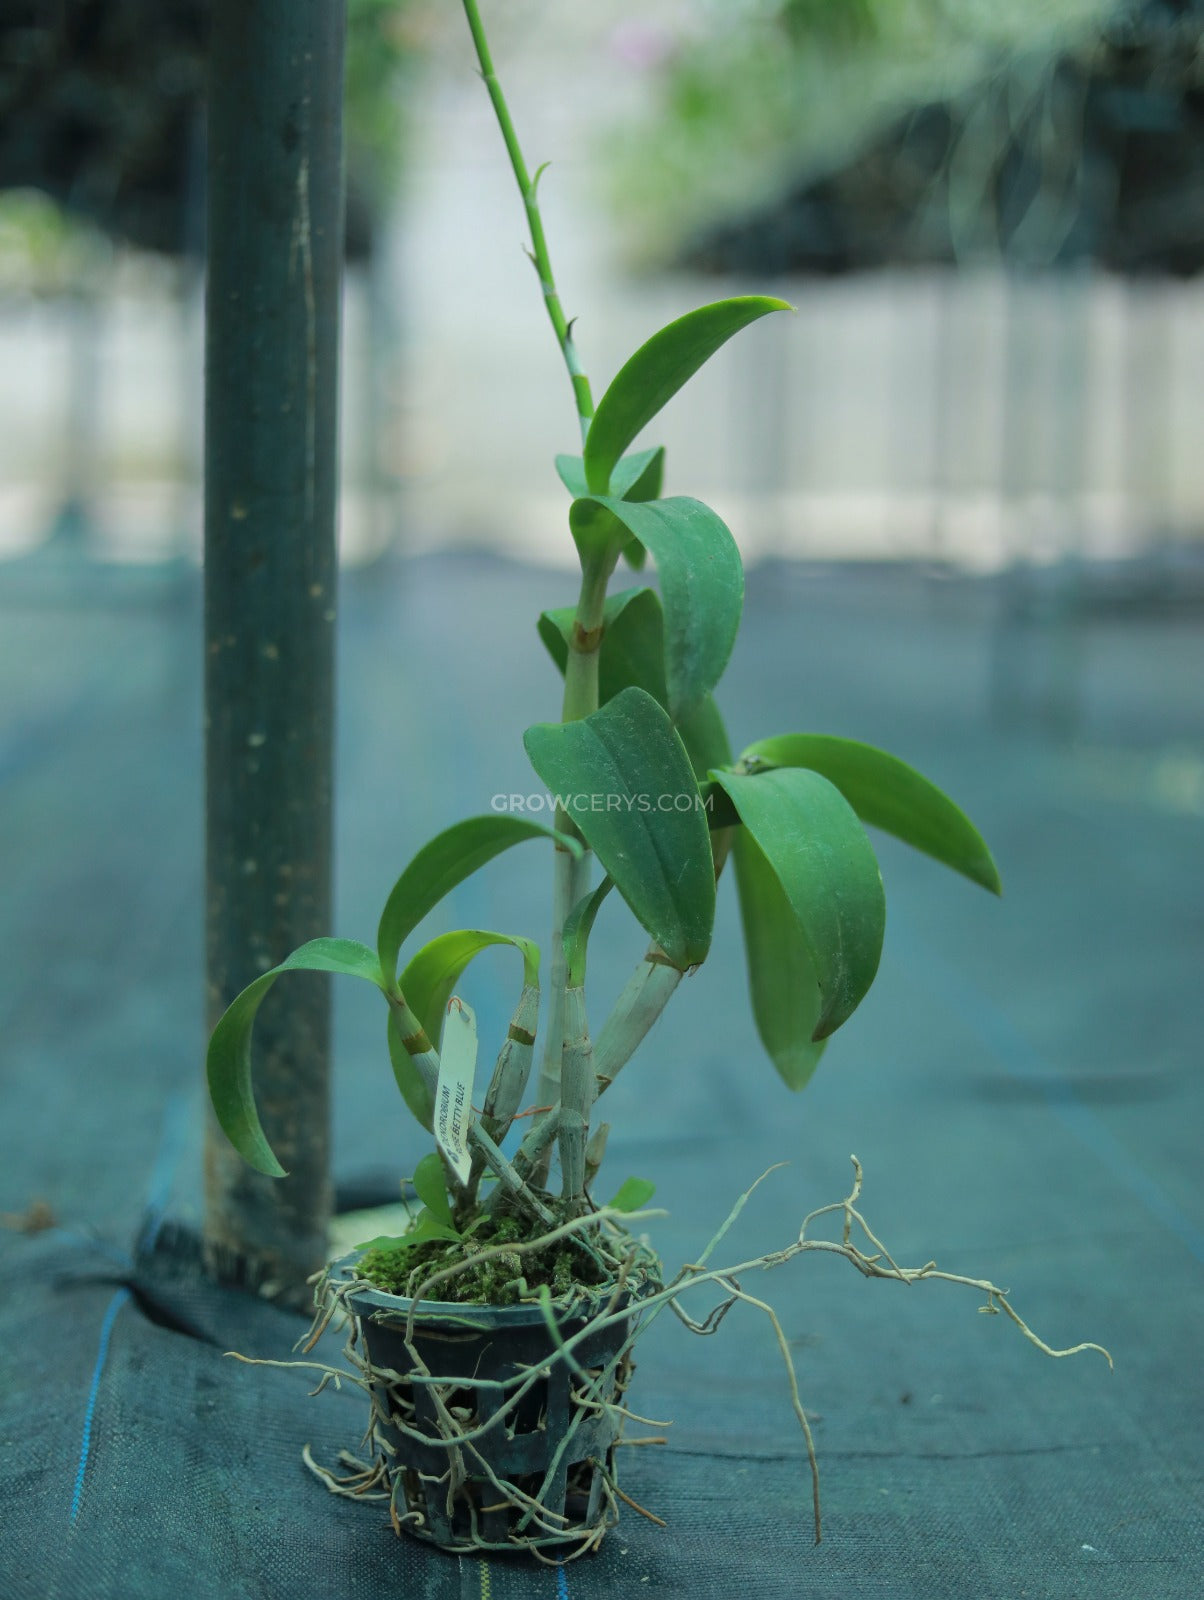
[453, 1092]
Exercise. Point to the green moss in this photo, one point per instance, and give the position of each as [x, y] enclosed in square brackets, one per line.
[501, 1280]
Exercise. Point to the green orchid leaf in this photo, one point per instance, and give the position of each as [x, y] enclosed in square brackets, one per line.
[633, 1195]
[598, 534]
[430, 1188]
[578, 926]
[701, 579]
[635, 477]
[707, 745]
[705, 737]
[632, 652]
[888, 794]
[449, 858]
[414, 1091]
[571, 472]
[426, 1229]
[628, 786]
[646, 486]
[721, 813]
[228, 1061]
[782, 981]
[655, 373]
[382, 1241]
[638, 477]
[436, 969]
[819, 851]
[632, 655]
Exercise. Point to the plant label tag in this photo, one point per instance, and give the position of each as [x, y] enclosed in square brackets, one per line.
[453, 1092]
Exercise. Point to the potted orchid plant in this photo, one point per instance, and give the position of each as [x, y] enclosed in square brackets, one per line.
[494, 1335]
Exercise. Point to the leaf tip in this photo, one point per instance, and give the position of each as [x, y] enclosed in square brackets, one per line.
[981, 869]
[265, 1161]
[833, 1016]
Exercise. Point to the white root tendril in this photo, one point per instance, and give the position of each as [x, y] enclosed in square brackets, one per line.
[596, 1390]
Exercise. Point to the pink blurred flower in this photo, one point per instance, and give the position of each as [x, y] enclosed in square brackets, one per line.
[642, 45]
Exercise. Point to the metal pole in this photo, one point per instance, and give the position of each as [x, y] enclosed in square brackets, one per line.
[275, 250]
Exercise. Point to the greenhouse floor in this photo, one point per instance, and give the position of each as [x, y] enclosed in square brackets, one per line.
[1022, 1088]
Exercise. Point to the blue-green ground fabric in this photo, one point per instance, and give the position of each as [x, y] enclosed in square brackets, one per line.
[1022, 1086]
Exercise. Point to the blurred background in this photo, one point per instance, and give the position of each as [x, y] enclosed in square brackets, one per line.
[988, 216]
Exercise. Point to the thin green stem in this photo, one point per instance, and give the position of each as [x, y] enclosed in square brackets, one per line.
[539, 244]
[576, 1097]
[585, 640]
[568, 885]
[647, 993]
[571, 872]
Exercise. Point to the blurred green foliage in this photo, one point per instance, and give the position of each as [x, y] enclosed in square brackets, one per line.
[380, 48]
[770, 89]
[42, 248]
[100, 108]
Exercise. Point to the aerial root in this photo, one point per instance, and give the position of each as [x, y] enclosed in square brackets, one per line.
[360, 1484]
[628, 1501]
[540, 1530]
[878, 1264]
[535, 1527]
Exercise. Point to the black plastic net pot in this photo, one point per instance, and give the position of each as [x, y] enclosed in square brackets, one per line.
[491, 1437]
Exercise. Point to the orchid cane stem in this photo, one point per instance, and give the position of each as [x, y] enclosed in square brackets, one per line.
[576, 1098]
[572, 873]
[539, 244]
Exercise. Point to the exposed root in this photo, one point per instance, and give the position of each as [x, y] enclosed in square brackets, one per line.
[360, 1484]
[636, 1506]
[462, 1419]
[881, 1264]
[417, 1412]
[795, 1401]
[334, 1375]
